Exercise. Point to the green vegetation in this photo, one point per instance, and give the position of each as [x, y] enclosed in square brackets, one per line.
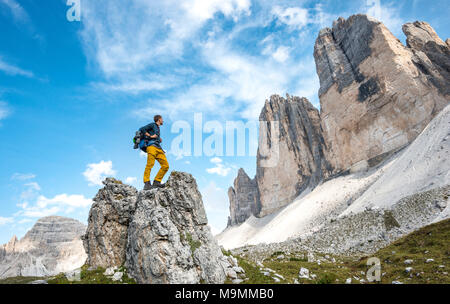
[226, 252]
[429, 248]
[193, 244]
[19, 280]
[92, 277]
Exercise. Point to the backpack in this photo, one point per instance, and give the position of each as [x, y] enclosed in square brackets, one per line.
[137, 140]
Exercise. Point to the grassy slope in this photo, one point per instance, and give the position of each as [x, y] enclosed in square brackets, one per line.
[431, 242]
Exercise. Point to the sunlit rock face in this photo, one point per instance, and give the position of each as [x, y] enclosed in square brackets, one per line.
[376, 94]
[52, 246]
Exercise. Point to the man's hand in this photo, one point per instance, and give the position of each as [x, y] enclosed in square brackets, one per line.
[151, 136]
[160, 140]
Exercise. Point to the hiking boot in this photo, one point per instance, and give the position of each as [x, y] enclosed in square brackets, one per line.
[148, 186]
[157, 184]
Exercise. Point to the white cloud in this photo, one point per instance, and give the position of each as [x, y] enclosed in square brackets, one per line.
[13, 70]
[142, 154]
[5, 220]
[281, 54]
[23, 176]
[76, 201]
[96, 173]
[295, 17]
[216, 160]
[131, 180]
[220, 168]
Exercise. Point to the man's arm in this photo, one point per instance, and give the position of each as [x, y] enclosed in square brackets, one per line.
[151, 136]
[147, 130]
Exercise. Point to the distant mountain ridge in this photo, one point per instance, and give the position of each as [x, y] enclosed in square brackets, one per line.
[52, 246]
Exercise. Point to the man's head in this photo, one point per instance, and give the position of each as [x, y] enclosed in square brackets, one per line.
[158, 120]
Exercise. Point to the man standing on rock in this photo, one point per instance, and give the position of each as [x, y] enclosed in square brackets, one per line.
[151, 143]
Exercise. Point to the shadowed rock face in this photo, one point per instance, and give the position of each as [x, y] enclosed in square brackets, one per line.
[52, 246]
[302, 163]
[377, 95]
[109, 217]
[161, 235]
[432, 55]
[244, 199]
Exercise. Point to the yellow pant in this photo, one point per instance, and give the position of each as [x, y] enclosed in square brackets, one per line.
[158, 154]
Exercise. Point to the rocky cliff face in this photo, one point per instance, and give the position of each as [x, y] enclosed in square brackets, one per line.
[161, 235]
[244, 199]
[52, 246]
[302, 163]
[377, 95]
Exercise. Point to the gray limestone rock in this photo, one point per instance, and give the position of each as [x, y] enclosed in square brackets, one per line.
[52, 246]
[302, 162]
[106, 236]
[161, 236]
[244, 199]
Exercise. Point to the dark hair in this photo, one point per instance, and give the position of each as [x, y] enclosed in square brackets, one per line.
[157, 117]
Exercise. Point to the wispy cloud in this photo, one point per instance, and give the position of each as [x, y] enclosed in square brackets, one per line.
[17, 11]
[97, 172]
[23, 176]
[234, 54]
[21, 18]
[5, 220]
[13, 70]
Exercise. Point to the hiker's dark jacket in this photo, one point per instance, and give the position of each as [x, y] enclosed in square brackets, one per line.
[151, 129]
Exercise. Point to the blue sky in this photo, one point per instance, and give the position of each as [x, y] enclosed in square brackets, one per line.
[72, 94]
